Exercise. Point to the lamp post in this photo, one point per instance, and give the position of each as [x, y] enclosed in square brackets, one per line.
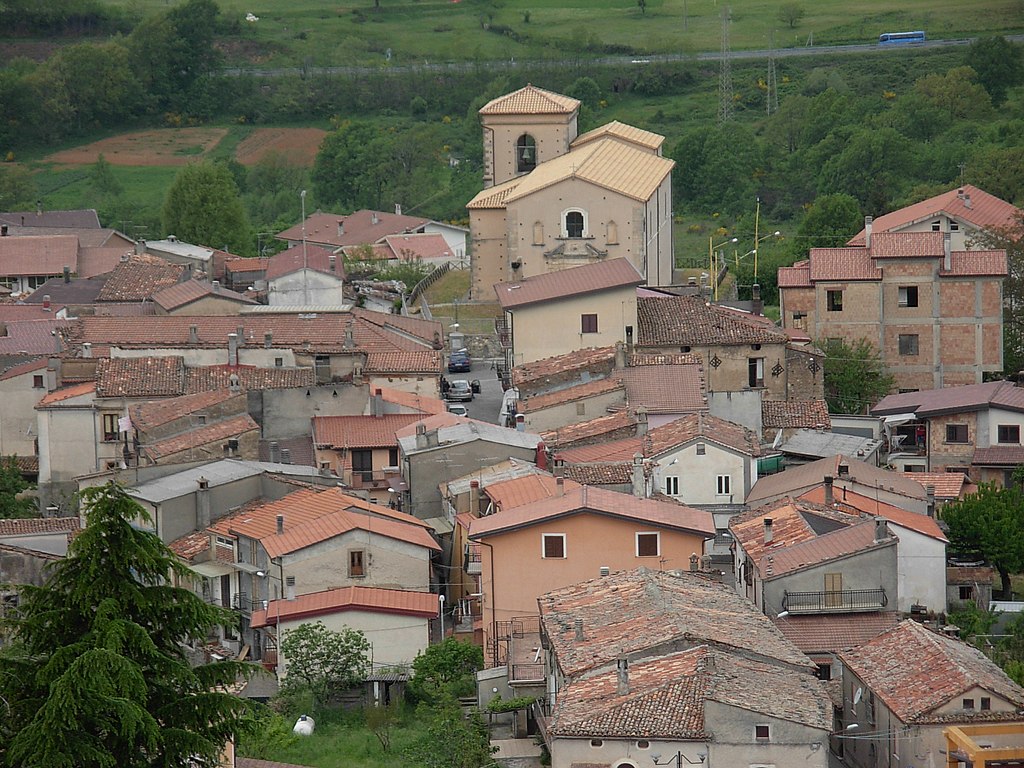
[776, 233]
[305, 275]
[440, 614]
[713, 260]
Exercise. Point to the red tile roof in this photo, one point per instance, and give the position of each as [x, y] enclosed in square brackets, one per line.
[795, 414]
[38, 256]
[790, 526]
[584, 500]
[413, 247]
[589, 430]
[575, 281]
[999, 456]
[341, 599]
[971, 397]
[571, 394]
[831, 633]
[189, 546]
[32, 366]
[902, 245]
[532, 375]
[518, 491]
[31, 337]
[976, 264]
[947, 485]
[154, 413]
[666, 388]
[210, 377]
[831, 264]
[914, 671]
[66, 393]
[854, 503]
[857, 538]
[34, 525]
[619, 473]
[180, 294]
[419, 403]
[359, 228]
[427, 361]
[313, 257]
[983, 211]
[83, 218]
[140, 377]
[796, 276]
[200, 439]
[246, 265]
[360, 431]
[692, 321]
[531, 100]
[798, 479]
[139, 278]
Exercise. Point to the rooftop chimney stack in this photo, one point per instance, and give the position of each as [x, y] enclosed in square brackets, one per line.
[829, 495]
[474, 497]
[768, 534]
[193, 334]
[398, 209]
[374, 219]
[67, 275]
[215, 286]
[233, 349]
[929, 492]
[868, 220]
[378, 404]
[622, 668]
[641, 421]
[947, 252]
[639, 483]
[756, 305]
[274, 457]
[578, 627]
[560, 486]
[620, 355]
[280, 524]
[3, 230]
[46, 302]
[341, 227]
[421, 436]
[268, 340]
[520, 423]
[203, 504]
[881, 529]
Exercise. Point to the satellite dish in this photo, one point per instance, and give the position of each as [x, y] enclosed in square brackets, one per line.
[857, 696]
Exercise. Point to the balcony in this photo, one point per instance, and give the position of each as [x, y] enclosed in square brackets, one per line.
[376, 479]
[840, 601]
[240, 601]
[472, 562]
[501, 329]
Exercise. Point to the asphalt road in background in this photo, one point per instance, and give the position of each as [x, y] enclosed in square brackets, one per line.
[486, 405]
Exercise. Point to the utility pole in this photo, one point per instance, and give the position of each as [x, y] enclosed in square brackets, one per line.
[725, 73]
[773, 83]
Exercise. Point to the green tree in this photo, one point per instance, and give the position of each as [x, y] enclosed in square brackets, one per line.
[11, 485]
[855, 378]
[830, 222]
[642, 4]
[203, 207]
[1010, 239]
[957, 93]
[341, 170]
[999, 64]
[990, 523]
[868, 166]
[90, 85]
[323, 661]
[17, 188]
[447, 668]
[102, 177]
[791, 14]
[586, 90]
[452, 740]
[96, 675]
[716, 168]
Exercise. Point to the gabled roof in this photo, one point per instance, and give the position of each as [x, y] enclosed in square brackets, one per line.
[585, 361]
[617, 473]
[198, 439]
[692, 321]
[531, 100]
[210, 377]
[313, 257]
[416, 402]
[828, 547]
[854, 503]
[31, 337]
[357, 228]
[530, 487]
[629, 133]
[312, 516]
[590, 430]
[36, 525]
[452, 429]
[828, 264]
[140, 377]
[798, 479]
[967, 204]
[427, 361]
[586, 500]
[834, 632]
[947, 485]
[630, 611]
[914, 670]
[38, 255]
[360, 431]
[180, 294]
[67, 393]
[665, 389]
[155, 413]
[571, 394]
[139, 278]
[575, 281]
[31, 366]
[411, 247]
[81, 218]
[76, 291]
[238, 265]
[795, 414]
[970, 397]
[343, 599]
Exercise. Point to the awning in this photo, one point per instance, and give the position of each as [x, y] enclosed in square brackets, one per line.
[899, 418]
[211, 569]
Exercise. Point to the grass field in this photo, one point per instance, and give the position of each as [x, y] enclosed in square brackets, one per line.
[316, 33]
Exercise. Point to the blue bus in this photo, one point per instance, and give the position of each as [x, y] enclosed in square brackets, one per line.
[899, 38]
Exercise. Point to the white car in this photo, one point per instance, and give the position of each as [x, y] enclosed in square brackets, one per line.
[458, 409]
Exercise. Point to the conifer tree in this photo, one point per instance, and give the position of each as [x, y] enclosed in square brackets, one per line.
[97, 674]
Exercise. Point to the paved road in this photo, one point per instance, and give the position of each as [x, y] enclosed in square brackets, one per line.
[486, 405]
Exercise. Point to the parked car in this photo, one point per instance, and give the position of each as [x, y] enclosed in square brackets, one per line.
[459, 361]
[460, 392]
[458, 409]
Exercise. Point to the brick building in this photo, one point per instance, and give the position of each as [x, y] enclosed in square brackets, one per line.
[934, 313]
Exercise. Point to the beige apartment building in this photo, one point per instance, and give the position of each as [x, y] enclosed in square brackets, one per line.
[554, 199]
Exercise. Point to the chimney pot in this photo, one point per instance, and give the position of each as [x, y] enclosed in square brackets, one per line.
[268, 340]
[829, 494]
[67, 274]
[578, 627]
[46, 302]
[768, 534]
[868, 220]
[947, 251]
[193, 334]
[280, 524]
[881, 529]
[274, 458]
[622, 665]
[215, 286]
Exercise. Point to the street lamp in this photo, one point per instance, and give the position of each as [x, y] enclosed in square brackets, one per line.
[776, 233]
[713, 259]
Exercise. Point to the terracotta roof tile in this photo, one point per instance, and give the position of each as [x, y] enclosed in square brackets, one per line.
[859, 537]
[189, 546]
[360, 431]
[200, 438]
[32, 366]
[82, 218]
[531, 100]
[39, 256]
[914, 671]
[246, 265]
[947, 485]
[968, 574]
[533, 375]
[795, 414]
[139, 278]
[154, 413]
[620, 473]
[33, 525]
[518, 491]
[31, 337]
[494, 197]
[902, 245]
[831, 633]
[406, 361]
[180, 294]
[624, 132]
[798, 479]
[575, 281]
[976, 264]
[630, 611]
[831, 264]
[66, 393]
[796, 276]
[140, 377]
[791, 525]
[665, 388]
[372, 599]
[590, 430]
[855, 503]
[420, 403]
[999, 456]
[417, 246]
[571, 394]
[313, 257]
[357, 228]
[691, 321]
[971, 397]
[211, 377]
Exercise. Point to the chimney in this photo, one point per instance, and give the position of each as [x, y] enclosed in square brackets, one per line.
[829, 495]
[559, 486]
[967, 201]
[232, 349]
[374, 219]
[280, 524]
[947, 252]
[333, 261]
[639, 485]
[541, 457]
[140, 247]
[578, 626]
[398, 209]
[3, 230]
[620, 355]
[867, 231]
[39, 207]
[341, 227]
[641, 421]
[124, 257]
[421, 436]
[756, 305]
[215, 286]
[474, 497]
[46, 302]
[768, 535]
[378, 403]
[268, 340]
[881, 529]
[286, 456]
[520, 423]
[622, 668]
[193, 334]
[350, 341]
[86, 349]
[290, 588]
[604, 570]
[67, 274]
[844, 470]
[203, 504]
[274, 457]
[929, 492]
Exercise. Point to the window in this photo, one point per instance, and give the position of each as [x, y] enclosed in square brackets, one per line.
[362, 463]
[986, 703]
[966, 592]
[392, 457]
[968, 703]
[37, 381]
[954, 227]
[908, 296]
[834, 301]
[724, 484]
[356, 563]
[824, 671]
[278, 362]
[672, 485]
[701, 449]
[1008, 433]
[110, 430]
[574, 224]
[648, 544]
[908, 343]
[526, 153]
[554, 546]
[755, 371]
[762, 732]
[588, 323]
[643, 744]
[956, 433]
[936, 226]
[581, 409]
[596, 743]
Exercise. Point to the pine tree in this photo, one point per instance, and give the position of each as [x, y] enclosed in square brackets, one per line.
[97, 674]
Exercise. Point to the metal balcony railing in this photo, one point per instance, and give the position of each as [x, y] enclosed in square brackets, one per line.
[839, 601]
[241, 602]
[472, 561]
